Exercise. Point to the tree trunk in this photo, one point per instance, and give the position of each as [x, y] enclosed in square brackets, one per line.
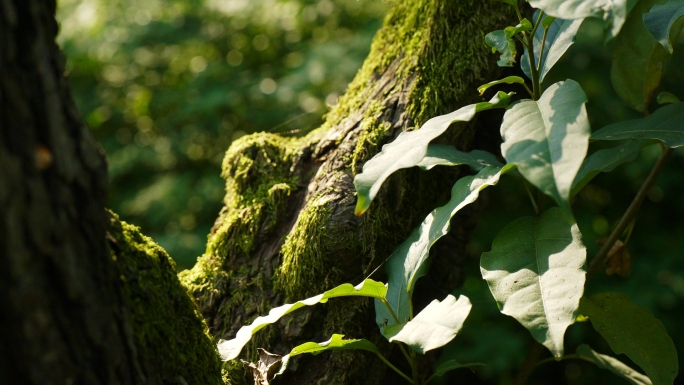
[288, 229]
[72, 311]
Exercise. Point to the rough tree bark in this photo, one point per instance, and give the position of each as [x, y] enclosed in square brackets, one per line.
[74, 307]
[288, 231]
[86, 299]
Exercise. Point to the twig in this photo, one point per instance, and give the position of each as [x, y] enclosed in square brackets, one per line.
[629, 215]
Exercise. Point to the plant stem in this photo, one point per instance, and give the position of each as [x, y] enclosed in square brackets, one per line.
[396, 320]
[630, 214]
[389, 308]
[414, 367]
[534, 73]
[566, 357]
[407, 378]
[529, 193]
[403, 351]
[530, 363]
[541, 50]
[517, 11]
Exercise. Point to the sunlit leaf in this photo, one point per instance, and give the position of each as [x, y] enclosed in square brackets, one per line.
[230, 349]
[560, 36]
[410, 148]
[665, 125]
[638, 60]
[634, 331]
[535, 272]
[434, 327]
[336, 342]
[450, 365]
[613, 12]
[508, 80]
[614, 365]
[445, 155]
[663, 21]
[605, 160]
[548, 139]
[408, 262]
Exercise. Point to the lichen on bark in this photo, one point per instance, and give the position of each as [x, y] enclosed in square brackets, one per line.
[288, 231]
[171, 338]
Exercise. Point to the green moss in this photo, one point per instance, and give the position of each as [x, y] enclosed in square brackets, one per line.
[234, 373]
[171, 337]
[258, 182]
[433, 51]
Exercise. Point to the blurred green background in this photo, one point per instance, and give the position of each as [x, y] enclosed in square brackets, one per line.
[167, 85]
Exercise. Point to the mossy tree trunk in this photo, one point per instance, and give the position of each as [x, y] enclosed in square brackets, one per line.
[76, 308]
[288, 229]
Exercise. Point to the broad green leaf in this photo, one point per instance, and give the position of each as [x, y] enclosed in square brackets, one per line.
[548, 139]
[613, 12]
[511, 2]
[666, 98]
[408, 262]
[666, 124]
[605, 160]
[504, 45]
[638, 60]
[662, 22]
[410, 148]
[445, 155]
[634, 331]
[535, 272]
[508, 80]
[612, 364]
[336, 342]
[434, 327]
[230, 349]
[502, 41]
[560, 36]
[450, 365]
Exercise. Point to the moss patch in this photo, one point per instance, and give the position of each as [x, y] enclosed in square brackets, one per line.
[171, 336]
[257, 169]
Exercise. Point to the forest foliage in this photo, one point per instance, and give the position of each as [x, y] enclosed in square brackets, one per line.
[595, 88]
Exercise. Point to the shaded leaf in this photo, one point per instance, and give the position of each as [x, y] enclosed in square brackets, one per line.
[605, 160]
[230, 349]
[453, 365]
[665, 125]
[408, 262]
[434, 327]
[613, 12]
[560, 36]
[667, 98]
[614, 365]
[504, 45]
[410, 148]
[535, 272]
[508, 80]
[638, 60]
[502, 41]
[661, 19]
[445, 155]
[548, 139]
[634, 331]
